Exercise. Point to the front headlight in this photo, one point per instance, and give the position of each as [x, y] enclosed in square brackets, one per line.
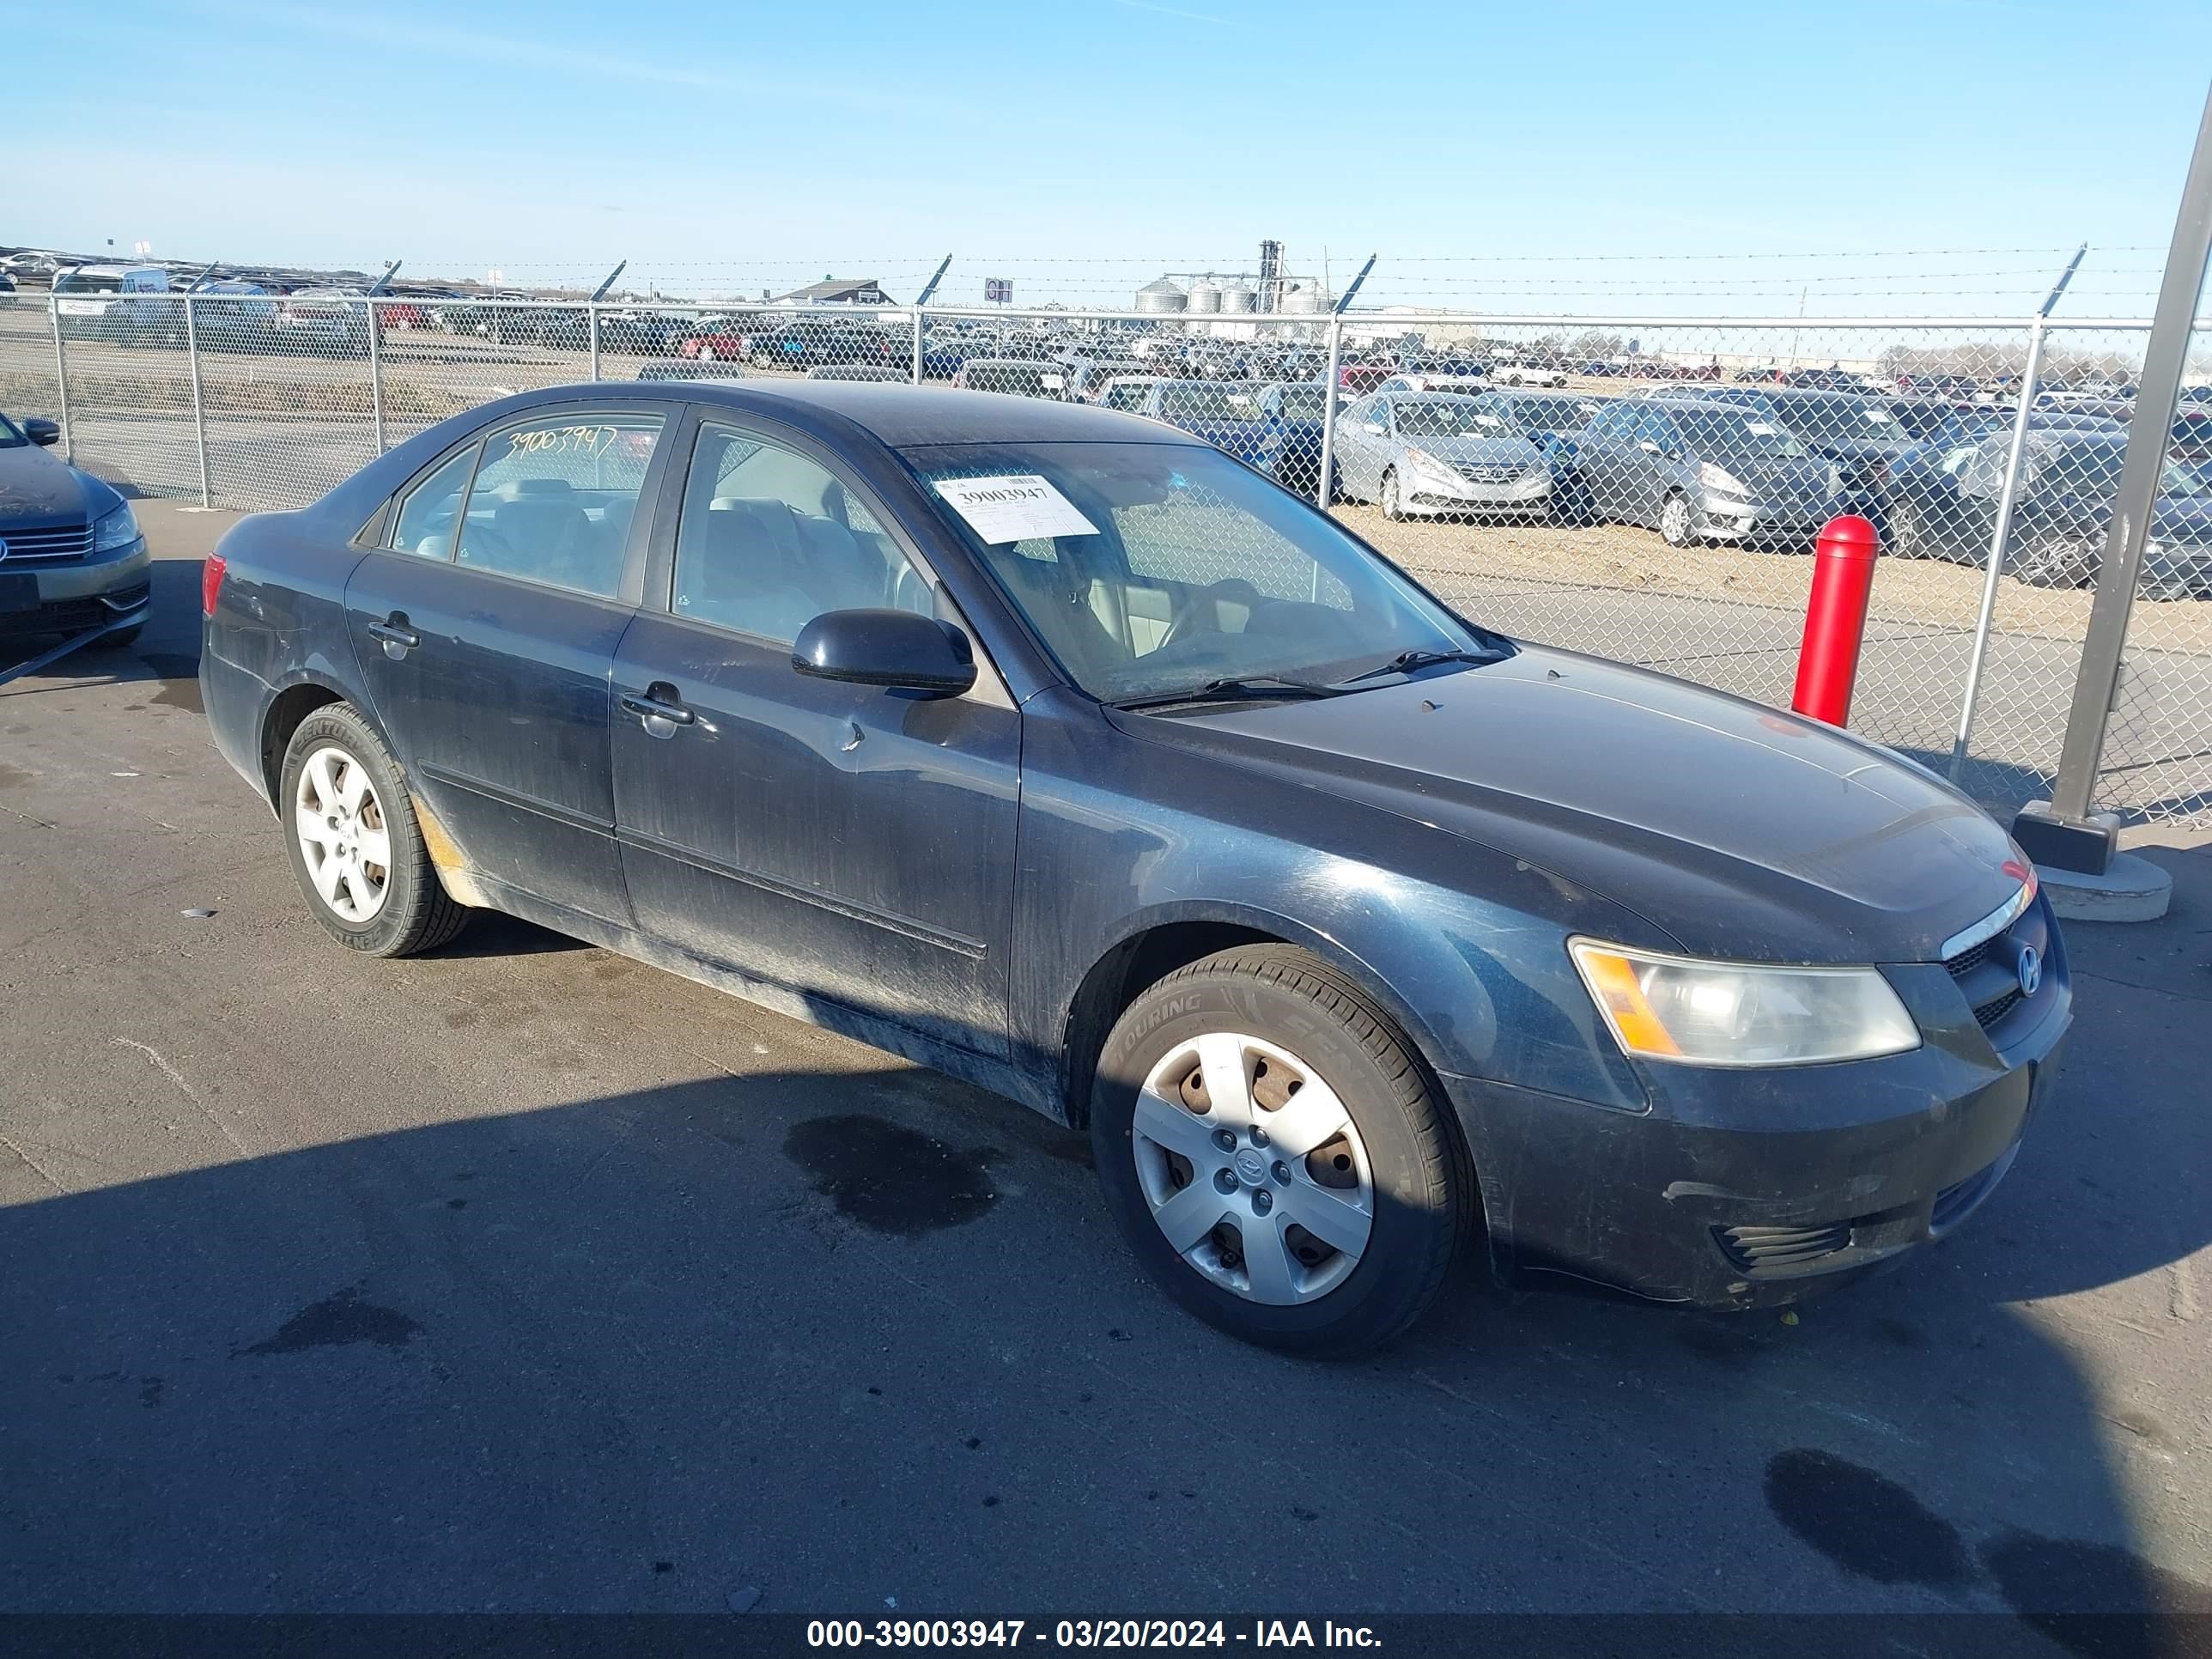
[114, 530]
[1720, 478]
[1728, 1013]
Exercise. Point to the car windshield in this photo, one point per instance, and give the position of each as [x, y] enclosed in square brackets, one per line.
[1150, 569]
[1727, 432]
[2092, 471]
[1202, 402]
[1549, 414]
[1304, 403]
[11, 437]
[1440, 417]
[1839, 419]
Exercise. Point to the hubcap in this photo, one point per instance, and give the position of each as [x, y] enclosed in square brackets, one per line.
[342, 834]
[1254, 1172]
[1674, 518]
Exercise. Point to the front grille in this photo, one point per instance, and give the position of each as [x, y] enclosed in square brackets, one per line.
[60, 540]
[1968, 959]
[1772, 1250]
[1988, 1013]
[1477, 473]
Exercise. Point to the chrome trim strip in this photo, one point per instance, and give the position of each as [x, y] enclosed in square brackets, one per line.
[1991, 925]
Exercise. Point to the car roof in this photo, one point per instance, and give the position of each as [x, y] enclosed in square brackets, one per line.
[903, 415]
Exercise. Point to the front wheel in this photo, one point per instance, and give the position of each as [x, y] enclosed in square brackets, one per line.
[1275, 1155]
[1676, 519]
[1393, 507]
[2057, 561]
[356, 847]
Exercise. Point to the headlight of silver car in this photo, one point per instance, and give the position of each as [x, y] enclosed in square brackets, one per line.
[1691, 1012]
[114, 530]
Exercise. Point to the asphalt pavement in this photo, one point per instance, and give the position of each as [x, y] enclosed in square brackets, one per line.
[521, 1277]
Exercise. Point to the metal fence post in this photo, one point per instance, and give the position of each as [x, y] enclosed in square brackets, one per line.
[1325, 490]
[375, 374]
[2002, 533]
[917, 343]
[2158, 392]
[61, 379]
[199, 397]
[1999, 536]
[592, 321]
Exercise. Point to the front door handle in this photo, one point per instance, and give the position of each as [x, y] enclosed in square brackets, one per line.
[659, 708]
[397, 637]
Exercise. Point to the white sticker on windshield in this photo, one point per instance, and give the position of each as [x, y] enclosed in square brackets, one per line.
[1764, 429]
[1052, 382]
[1487, 420]
[1880, 416]
[1014, 508]
[1239, 399]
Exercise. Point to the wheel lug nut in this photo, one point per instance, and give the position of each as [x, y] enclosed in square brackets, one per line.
[1282, 1172]
[1224, 1181]
[1258, 1136]
[1225, 1140]
[1262, 1202]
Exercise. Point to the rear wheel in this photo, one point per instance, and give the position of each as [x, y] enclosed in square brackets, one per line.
[1275, 1155]
[2053, 560]
[1393, 507]
[1908, 537]
[356, 847]
[1676, 521]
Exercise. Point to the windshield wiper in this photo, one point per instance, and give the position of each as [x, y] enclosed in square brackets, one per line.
[1254, 688]
[1405, 661]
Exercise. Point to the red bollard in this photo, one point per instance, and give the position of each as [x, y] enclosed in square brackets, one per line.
[1835, 618]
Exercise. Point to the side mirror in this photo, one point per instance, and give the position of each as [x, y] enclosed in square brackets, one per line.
[1647, 445]
[42, 432]
[882, 647]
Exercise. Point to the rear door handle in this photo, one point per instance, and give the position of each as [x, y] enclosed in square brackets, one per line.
[397, 638]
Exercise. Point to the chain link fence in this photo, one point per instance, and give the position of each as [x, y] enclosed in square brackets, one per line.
[1642, 489]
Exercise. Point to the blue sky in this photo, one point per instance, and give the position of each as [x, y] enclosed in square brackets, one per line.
[1074, 143]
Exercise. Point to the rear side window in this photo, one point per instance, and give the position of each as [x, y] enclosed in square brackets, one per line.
[553, 499]
[424, 523]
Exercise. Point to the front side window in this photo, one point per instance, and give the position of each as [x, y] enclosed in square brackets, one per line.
[770, 539]
[1148, 569]
[553, 499]
[424, 523]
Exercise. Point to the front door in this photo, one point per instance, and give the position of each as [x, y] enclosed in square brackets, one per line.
[845, 842]
[485, 630]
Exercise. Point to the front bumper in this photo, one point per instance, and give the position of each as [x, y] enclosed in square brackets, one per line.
[1432, 493]
[68, 597]
[1747, 1190]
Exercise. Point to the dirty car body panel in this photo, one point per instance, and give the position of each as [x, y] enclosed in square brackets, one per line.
[962, 878]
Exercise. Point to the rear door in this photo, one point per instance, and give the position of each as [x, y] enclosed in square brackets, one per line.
[486, 627]
[842, 841]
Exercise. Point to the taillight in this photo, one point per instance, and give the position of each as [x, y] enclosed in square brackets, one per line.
[211, 574]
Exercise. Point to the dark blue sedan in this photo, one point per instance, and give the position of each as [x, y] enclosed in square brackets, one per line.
[1054, 749]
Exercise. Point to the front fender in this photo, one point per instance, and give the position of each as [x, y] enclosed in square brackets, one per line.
[1463, 946]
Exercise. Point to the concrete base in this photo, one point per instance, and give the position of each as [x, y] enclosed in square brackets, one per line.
[2131, 890]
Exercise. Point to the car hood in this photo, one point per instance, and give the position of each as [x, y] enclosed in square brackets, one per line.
[1776, 477]
[1739, 830]
[37, 488]
[1479, 452]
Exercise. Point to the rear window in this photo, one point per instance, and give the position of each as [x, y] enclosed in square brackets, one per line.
[1207, 403]
[85, 282]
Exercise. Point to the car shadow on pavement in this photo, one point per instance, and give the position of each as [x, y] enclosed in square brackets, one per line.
[848, 1335]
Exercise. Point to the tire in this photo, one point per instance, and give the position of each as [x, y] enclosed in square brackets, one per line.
[1908, 536]
[1292, 1020]
[1676, 519]
[411, 911]
[117, 640]
[1572, 502]
[1392, 508]
[2056, 562]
